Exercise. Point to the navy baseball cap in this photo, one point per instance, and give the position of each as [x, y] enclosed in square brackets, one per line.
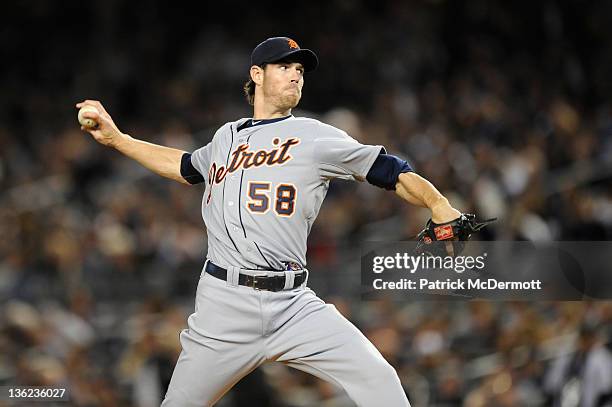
[278, 48]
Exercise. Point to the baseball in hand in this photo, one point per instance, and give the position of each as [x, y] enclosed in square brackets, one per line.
[86, 122]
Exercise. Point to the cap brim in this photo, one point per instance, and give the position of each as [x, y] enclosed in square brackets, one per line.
[306, 57]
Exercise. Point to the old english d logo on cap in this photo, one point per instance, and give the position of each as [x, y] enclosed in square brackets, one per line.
[292, 44]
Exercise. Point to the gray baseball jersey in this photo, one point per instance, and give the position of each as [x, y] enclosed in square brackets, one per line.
[265, 185]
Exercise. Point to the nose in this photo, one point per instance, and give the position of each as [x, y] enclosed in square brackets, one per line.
[295, 75]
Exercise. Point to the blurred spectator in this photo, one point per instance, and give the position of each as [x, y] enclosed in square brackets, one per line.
[582, 377]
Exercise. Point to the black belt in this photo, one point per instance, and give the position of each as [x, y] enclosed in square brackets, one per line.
[268, 283]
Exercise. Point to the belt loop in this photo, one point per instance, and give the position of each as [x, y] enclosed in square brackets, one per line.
[204, 268]
[233, 273]
[305, 279]
[289, 279]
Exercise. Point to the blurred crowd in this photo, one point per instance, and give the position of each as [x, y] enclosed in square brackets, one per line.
[504, 107]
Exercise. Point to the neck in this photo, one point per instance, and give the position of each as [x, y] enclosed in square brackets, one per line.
[262, 110]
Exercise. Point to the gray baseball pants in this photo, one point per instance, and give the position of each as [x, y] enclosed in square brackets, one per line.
[235, 329]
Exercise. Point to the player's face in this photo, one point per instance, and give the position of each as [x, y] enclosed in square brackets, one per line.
[282, 84]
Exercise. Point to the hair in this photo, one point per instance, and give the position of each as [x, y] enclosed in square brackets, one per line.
[249, 88]
[249, 91]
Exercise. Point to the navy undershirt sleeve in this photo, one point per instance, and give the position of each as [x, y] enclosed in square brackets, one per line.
[385, 171]
[188, 171]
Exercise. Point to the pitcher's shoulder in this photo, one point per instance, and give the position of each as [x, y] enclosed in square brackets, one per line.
[228, 129]
[319, 128]
[305, 120]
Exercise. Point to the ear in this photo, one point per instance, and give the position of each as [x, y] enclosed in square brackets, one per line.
[257, 74]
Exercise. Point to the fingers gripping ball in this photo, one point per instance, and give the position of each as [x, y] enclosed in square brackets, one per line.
[448, 239]
[85, 121]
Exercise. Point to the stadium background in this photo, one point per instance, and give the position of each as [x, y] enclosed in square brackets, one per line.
[504, 106]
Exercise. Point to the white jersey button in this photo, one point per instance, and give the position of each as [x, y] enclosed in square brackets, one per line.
[230, 203]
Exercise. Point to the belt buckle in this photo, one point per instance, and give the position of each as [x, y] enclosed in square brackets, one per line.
[252, 282]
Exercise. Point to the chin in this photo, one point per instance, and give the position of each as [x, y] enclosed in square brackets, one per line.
[290, 101]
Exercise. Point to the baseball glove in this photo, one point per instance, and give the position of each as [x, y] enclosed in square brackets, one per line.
[450, 235]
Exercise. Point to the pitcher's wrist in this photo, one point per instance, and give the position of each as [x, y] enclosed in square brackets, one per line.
[440, 204]
[121, 141]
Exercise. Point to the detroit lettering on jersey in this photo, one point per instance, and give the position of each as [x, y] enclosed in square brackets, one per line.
[242, 157]
[265, 183]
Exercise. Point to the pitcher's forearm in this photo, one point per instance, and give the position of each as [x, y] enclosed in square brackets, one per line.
[164, 161]
[418, 191]
[407, 196]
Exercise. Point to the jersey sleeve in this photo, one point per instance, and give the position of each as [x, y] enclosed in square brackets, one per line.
[201, 158]
[340, 156]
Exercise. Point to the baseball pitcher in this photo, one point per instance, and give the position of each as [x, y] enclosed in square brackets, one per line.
[265, 179]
